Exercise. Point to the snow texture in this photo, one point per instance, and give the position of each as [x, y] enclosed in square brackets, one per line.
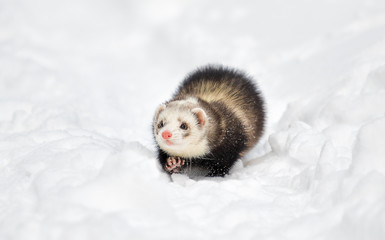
[80, 81]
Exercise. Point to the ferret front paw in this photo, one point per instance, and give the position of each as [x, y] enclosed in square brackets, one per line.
[174, 165]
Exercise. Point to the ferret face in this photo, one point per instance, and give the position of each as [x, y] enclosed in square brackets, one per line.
[180, 130]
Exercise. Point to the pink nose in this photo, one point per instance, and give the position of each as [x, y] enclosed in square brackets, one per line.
[166, 135]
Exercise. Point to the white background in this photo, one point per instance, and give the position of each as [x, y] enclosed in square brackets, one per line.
[80, 81]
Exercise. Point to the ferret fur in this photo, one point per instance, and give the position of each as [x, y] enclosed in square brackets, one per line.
[223, 113]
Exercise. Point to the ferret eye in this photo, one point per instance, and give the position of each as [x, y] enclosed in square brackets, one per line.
[183, 126]
[160, 125]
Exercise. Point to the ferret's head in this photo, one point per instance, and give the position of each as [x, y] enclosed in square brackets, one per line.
[180, 128]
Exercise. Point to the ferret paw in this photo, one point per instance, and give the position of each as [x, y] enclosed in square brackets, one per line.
[174, 165]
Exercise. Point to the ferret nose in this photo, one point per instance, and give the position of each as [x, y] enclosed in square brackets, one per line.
[166, 134]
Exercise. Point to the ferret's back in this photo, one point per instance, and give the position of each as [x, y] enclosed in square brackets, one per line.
[217, 83]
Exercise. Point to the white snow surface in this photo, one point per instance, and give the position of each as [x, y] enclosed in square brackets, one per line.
[80, 81]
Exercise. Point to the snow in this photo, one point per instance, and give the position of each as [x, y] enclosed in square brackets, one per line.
[80, 81]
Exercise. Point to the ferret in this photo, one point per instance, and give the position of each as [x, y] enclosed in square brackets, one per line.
[215, 117]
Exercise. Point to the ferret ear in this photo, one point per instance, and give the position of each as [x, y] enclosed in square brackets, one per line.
[201, 115]
[159, 110]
